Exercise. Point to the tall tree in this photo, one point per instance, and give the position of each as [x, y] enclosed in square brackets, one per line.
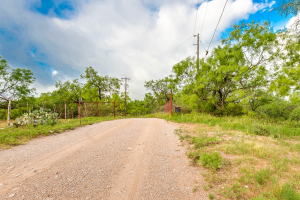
[14, 83]
[235, 68]
[286, 7]
[69, 91]
[161, 89]
[103, 84]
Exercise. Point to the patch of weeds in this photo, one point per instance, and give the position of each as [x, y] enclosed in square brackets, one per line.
[211, 196]
[281, 165]
[238, 190]
[178, 131]
[262, 176]
[214, 178]
[260, 130]
[205, 187]
[194, 155]
[288, 193]
[212, 161]
[195, 188]
[250, 148]
[203, 141]
[184, 137]
[247, 175]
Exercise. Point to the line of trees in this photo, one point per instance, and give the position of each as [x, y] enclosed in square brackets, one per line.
[254, 71]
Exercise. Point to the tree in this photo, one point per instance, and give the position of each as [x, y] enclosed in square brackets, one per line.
[295, 114]
[286, 7]
[103, 84]
[14, 83]
[69, 91]
[161, 89]
[235, 69]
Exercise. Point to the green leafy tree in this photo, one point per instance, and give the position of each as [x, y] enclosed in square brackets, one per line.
[161, 89]
[14, 83]
[295, 115]
[69, 91]
[234, 70]
[286, 7]
[103, 85]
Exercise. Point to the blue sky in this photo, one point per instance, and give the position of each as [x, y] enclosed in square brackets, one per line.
[56, 39]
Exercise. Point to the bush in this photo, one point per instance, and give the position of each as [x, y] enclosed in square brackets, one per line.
[295, 115]
[262, 176]
[233, 110]
[260, 130]
[37, 117]
[203, 141]
[213, 161]
[288, 193]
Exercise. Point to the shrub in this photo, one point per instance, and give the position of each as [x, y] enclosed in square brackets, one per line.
[295, 115]
[37, 117]
[260, 130]
[288, 193]
[262, 176]
[213, 161]
[203, 141]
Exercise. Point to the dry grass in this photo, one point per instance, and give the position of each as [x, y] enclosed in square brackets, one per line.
[254, 167]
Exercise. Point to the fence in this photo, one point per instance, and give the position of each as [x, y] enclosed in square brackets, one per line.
[168, 107]
[65, 111]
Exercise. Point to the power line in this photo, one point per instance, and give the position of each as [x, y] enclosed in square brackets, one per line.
[196, 18]
[204, 19]
[216, 28]
[136, 93]
[166, 55]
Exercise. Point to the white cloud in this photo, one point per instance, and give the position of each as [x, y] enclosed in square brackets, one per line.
[121, 38]
[54, 72]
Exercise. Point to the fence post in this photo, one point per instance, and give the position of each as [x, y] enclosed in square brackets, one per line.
[114, 108]
[97, 109]
[79, 115]
[118, 108]
[171, 102]
[8, 112]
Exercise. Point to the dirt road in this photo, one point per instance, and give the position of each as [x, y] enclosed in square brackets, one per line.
[120, 159]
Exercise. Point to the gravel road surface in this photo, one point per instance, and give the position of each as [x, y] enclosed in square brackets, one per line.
[121, 159]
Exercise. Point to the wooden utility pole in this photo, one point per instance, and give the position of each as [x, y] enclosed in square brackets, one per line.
[198, 40]
[126, 85]
[43, 107]
[8, 112]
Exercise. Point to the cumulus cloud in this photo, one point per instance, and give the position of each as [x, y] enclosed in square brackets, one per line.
[118, 38]
[54, 72]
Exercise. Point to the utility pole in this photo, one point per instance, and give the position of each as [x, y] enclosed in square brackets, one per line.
[126, 85]
[197, 47]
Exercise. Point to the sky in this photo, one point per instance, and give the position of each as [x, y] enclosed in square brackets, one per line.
[139, 39]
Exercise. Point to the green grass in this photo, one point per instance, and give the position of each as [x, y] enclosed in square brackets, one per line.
[16, 136]
[241, 164]
[249, 125]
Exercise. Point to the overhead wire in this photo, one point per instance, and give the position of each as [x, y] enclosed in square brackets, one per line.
[135, 93]
[167, 55]
[216, 28]
[203, 23]
[196, 18]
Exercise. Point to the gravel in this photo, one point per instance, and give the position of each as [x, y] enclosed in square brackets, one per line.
[120, 159]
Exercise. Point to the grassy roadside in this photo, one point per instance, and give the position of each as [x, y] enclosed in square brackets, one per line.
[239, 161]
[16, 136]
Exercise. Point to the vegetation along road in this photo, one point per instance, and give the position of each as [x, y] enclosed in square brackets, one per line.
[120, 159]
